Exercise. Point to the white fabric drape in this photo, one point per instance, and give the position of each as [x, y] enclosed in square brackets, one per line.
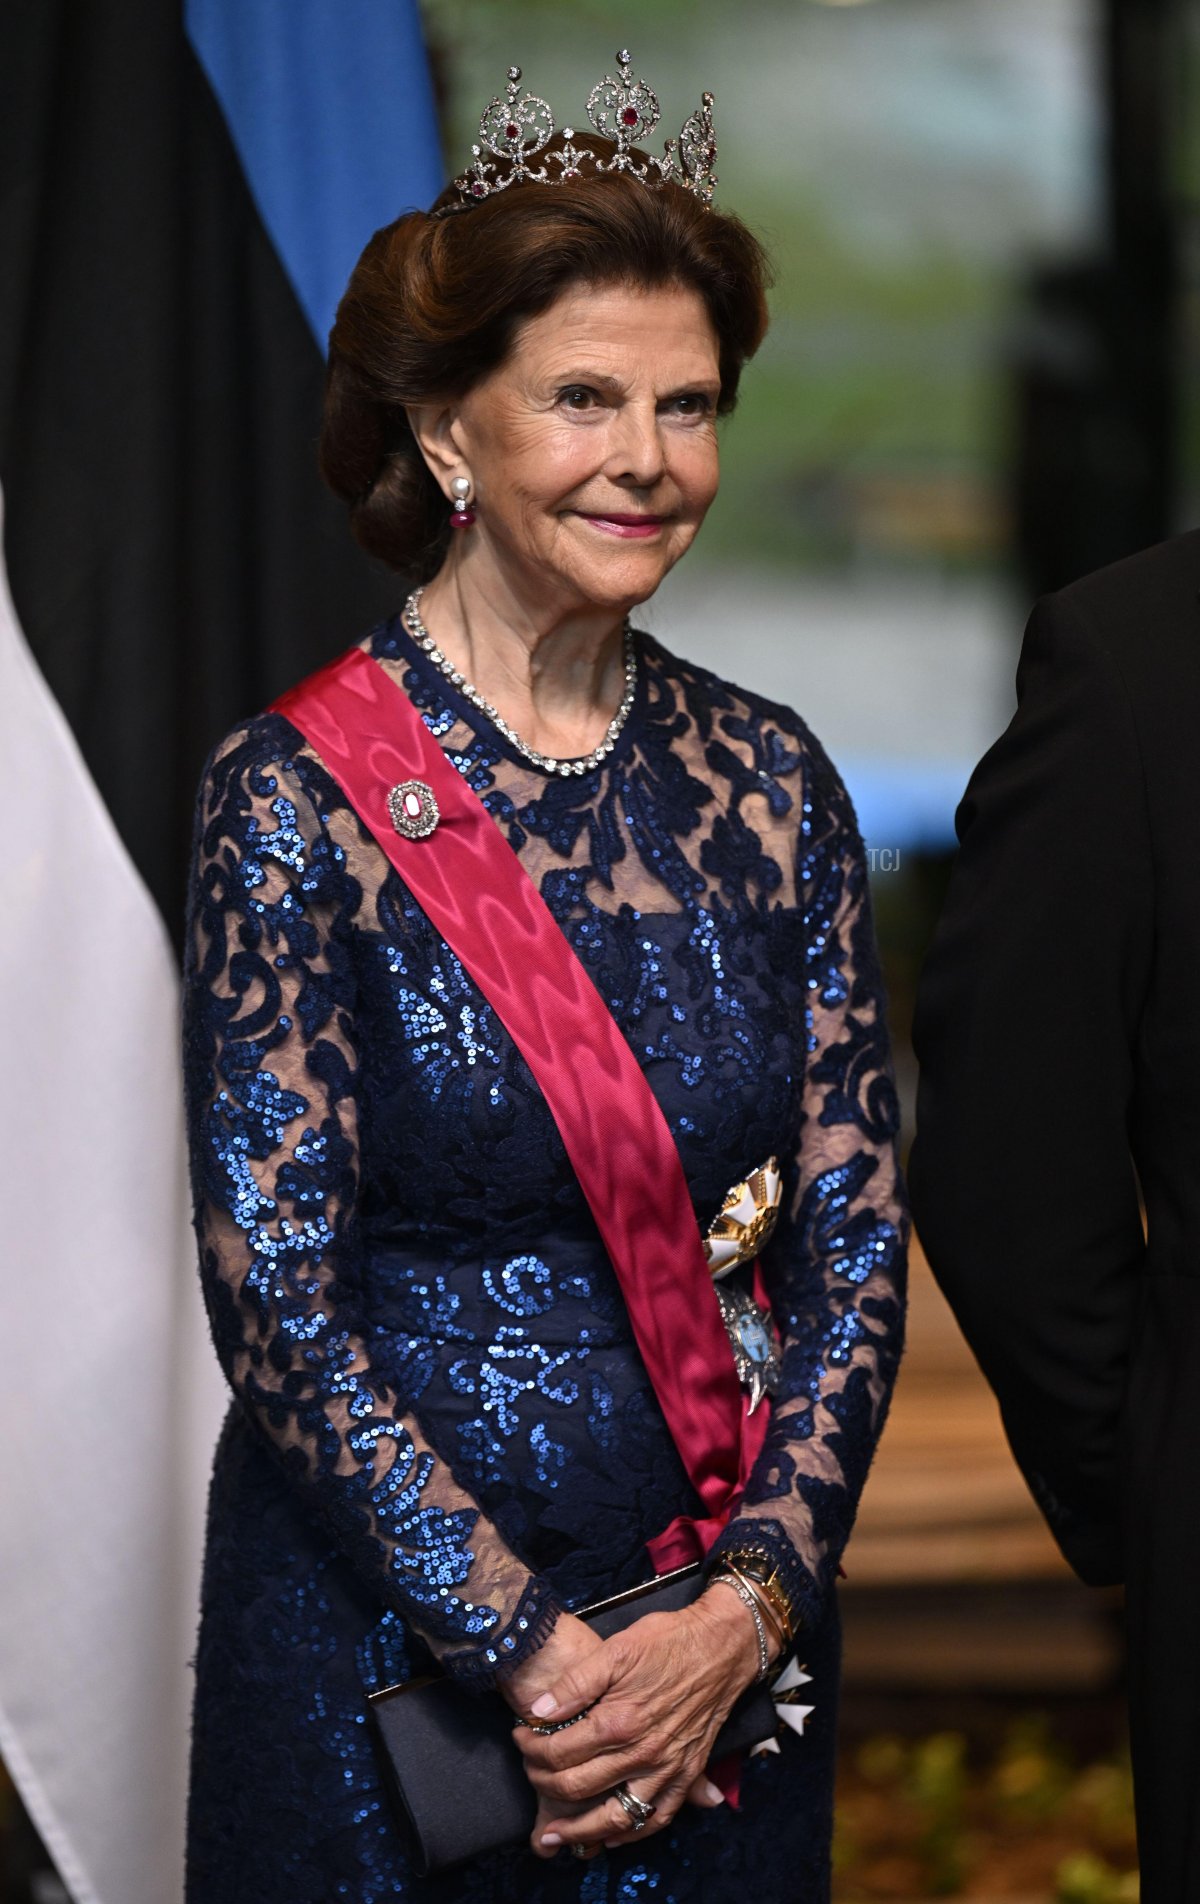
[111, 1398]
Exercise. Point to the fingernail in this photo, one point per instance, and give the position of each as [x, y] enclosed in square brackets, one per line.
[543, 1706]
[713, 1793]
[551, 1838]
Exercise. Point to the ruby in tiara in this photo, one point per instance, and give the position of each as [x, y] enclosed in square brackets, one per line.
[517, 127]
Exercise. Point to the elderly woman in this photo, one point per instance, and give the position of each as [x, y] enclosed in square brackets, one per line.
[447, 1433]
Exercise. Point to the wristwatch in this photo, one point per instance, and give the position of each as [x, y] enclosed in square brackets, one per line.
[760, 1574]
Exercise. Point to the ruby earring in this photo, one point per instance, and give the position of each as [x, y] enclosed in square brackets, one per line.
[463, 515]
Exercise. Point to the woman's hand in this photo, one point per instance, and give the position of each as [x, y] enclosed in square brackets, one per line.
[570, 1645]
[661, 1691]
[571, 1642]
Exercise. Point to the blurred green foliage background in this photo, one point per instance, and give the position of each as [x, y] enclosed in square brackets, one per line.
[901, 161]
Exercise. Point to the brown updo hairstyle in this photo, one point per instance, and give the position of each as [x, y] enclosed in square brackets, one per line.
[433, 303]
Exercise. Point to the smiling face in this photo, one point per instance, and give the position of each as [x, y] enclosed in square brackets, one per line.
[592, 448]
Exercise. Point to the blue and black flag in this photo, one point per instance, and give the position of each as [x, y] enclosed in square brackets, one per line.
[183, 191]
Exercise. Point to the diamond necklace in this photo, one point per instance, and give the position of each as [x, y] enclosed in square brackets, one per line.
[425, 641]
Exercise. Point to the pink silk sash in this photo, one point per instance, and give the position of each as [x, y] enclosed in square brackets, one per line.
[471, 885]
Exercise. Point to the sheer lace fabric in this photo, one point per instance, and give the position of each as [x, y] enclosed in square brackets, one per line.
[406, 1288]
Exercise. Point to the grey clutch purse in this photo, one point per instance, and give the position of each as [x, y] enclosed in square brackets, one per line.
[450, 1756]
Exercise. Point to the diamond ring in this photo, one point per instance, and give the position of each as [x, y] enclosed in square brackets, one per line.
[639, 1811]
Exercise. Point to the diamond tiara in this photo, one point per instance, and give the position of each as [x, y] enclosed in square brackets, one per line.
[519, 125]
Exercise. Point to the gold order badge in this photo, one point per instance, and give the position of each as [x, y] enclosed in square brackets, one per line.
[736, 1236]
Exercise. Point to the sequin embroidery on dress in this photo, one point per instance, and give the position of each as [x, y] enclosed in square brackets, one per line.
[442, 1432]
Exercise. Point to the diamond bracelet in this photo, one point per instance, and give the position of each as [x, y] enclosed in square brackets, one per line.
[748, 1600]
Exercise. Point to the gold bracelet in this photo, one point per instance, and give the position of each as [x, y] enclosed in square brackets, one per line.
[770, 1612]
[758, 1571]
[758, 1567]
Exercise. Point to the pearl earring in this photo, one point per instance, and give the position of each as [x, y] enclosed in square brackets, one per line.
[463, 515]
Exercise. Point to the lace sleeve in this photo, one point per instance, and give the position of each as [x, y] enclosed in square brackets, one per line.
[836, 1267]
[271, 1075]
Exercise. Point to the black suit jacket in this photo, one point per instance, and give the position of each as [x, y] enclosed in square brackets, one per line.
[1058, 1031]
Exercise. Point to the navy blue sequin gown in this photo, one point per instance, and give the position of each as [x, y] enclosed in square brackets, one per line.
[442, 1430]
